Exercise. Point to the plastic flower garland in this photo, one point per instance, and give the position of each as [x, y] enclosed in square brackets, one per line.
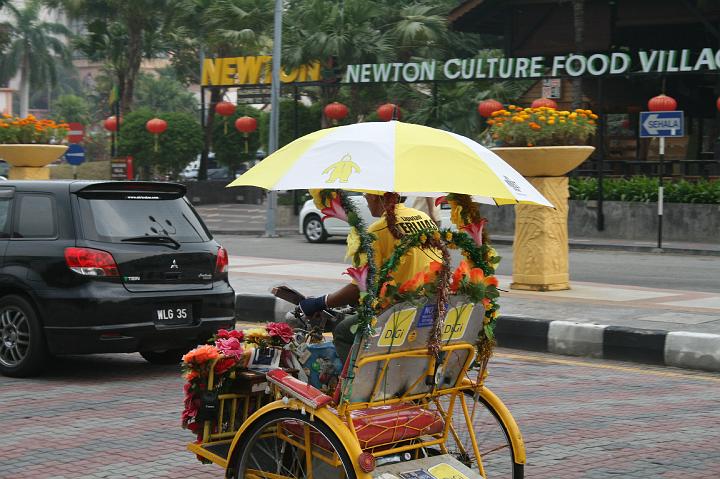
[474, 278]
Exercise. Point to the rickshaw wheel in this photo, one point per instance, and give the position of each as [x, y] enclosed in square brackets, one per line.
[496, 448]
[274, 446]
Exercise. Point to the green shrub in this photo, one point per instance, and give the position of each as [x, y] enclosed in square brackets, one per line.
[645, 189]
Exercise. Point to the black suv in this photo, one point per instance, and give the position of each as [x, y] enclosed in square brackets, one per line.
[100, 267]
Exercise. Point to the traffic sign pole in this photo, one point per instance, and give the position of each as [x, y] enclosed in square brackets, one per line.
[660, 191]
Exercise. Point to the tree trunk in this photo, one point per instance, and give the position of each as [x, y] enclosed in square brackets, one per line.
[25, 87]
[216, 95]
[134, 57]
[579, 29]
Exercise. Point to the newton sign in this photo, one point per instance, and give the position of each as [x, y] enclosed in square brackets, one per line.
[573, 65]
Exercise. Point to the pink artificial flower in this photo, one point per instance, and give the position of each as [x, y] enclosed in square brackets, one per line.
[439, 200]
[475, 230]
[335, 210]
[223, 333]
[359, 275]
[237, 334]
[280, 330]
[230, 347]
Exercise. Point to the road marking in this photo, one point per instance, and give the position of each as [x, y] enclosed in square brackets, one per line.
[569, 362]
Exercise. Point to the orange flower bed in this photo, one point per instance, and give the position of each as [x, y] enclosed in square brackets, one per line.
[14, 130]
[543, 126]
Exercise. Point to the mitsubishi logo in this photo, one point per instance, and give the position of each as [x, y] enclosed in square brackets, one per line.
[174, 265]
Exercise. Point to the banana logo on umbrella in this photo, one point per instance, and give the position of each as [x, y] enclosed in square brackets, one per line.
[341, 170]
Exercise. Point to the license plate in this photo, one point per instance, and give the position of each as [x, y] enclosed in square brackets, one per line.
[176, 312]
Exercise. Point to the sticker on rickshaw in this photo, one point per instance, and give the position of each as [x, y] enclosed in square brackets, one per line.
[418, 474]
[397, 328]
[446, 471]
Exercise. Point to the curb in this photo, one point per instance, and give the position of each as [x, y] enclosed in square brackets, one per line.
[678, 349]
[278, 232]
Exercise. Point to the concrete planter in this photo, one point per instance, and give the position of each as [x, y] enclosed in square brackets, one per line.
[29, 162]
[544, 160]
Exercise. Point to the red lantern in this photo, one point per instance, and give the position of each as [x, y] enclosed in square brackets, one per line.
[225, 109]
[487, 107]
[156, 126]
[387, 111]
[111, 123]
[717, 103]
[662, 102]
[546, 102]
[336, 111]
[246, 125]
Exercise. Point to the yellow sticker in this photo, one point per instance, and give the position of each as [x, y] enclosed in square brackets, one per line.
[412, 336]
[397, 328]
[456, 322]
[446, 471]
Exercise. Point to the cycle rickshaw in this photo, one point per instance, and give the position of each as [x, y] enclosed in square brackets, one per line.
[411, 401]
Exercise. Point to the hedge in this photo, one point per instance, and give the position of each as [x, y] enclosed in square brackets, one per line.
[645, 189]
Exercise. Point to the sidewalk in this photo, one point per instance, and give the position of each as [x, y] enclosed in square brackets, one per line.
[660, 326]
[244, 219]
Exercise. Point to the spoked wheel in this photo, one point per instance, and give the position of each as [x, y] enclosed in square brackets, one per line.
[314, 229]
[286, 444]
[491, 437]
[22, 345]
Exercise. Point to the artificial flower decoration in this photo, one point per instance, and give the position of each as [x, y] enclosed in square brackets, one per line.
[335, 210]
[475, 230]
[359, 275]
[230, 347]
[201, 354]
[280, 331]
[462, 271]
[413, 284]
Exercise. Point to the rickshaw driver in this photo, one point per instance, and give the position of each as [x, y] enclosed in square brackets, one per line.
[396, 220]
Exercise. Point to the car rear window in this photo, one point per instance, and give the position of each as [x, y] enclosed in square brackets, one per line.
[112, 220]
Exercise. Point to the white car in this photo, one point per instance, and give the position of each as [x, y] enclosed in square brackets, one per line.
[317, 231]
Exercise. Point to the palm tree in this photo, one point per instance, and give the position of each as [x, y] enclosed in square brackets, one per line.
[33, 50]
[216, 28]
[122, 33]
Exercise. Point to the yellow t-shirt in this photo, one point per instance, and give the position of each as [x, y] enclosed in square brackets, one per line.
[409, 220]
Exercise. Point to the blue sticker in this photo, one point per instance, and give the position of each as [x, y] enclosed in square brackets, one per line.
[426, 316]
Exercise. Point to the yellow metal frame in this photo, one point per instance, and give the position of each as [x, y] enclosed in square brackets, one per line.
[341, 422]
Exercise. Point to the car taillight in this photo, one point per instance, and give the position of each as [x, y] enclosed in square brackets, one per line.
[221, 264]
[91, 262]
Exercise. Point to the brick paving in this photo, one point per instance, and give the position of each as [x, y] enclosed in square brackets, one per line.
[116, 416]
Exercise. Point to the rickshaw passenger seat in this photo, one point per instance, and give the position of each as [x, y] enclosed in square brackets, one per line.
[297, 389]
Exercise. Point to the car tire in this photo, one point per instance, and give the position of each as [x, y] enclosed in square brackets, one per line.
[23, 350]
[169, 356]
[314, 230]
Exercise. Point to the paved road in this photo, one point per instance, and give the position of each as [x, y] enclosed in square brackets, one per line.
[115, 416]
[691, 272]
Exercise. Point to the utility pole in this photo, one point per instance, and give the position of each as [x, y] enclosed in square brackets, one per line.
[274, 112]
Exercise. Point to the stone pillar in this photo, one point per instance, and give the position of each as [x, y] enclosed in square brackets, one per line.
[29, 173]
[540, 248]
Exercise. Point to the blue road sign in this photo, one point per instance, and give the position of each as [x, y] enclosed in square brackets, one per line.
[75, 154]
[661, 123]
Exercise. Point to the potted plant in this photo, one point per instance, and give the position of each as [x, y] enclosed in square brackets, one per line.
[542, 141]
[30, 144]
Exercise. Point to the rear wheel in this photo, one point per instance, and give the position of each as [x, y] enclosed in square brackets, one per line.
[314, 229]
[22, 342]
[169, 356]
[497, 451]
[285, 444]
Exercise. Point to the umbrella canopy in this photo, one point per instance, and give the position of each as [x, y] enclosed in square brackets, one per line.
[392, 156]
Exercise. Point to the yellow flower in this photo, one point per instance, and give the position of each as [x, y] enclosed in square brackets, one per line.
[448, 236]
[573, 115]
[317, 199]
[423, 238]
[436, 235]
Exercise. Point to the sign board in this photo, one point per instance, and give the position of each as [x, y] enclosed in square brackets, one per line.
[661, 124]
[254, 70]
[75, 154]
[551, 88]
[118, 169]
[76, 132]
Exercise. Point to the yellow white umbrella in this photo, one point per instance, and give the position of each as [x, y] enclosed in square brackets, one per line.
[392, 156]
